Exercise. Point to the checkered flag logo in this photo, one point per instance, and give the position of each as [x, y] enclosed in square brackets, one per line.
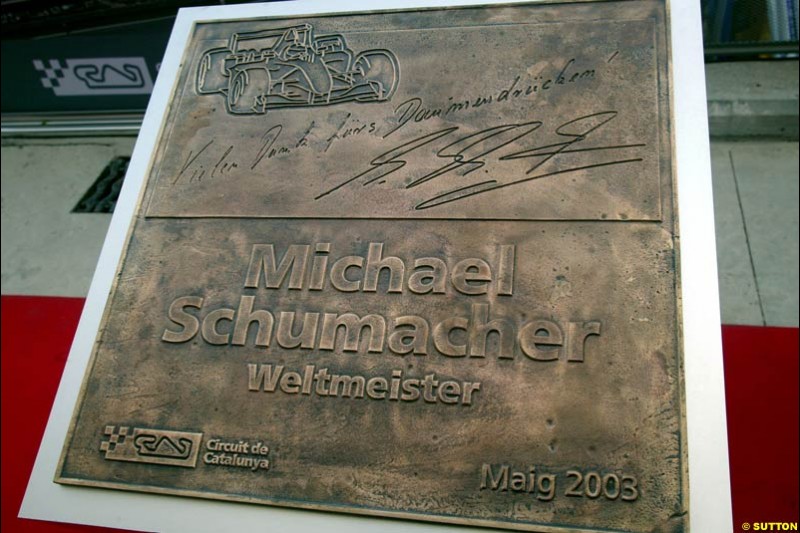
[52, 74]
[116, 436]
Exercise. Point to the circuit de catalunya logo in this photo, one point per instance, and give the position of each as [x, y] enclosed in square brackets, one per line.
[95, 76]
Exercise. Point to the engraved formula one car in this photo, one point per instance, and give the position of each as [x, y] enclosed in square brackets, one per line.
[291, 67]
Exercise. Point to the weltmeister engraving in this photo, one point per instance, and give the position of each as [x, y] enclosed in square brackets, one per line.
[418, 264]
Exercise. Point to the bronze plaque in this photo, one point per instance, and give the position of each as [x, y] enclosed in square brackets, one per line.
[416, 264]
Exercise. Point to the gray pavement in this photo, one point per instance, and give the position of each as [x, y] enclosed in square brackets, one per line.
[753, 99]
[47, 250]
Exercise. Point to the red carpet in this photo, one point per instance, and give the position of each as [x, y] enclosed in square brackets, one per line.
[761, 372]
[36, 336]
[761, 384]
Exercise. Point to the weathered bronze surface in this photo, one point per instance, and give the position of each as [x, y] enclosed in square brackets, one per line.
[414, 264]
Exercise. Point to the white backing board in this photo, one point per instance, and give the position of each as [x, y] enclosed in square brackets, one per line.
[707, 433]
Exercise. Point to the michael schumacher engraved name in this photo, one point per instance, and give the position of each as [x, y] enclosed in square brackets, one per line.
[539, 340]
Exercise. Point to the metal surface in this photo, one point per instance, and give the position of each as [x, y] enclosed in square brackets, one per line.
[410, 264]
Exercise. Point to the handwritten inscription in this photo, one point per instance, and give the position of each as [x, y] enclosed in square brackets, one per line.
[468, 153]
[461, 154]
[537, 121]
[416, 110]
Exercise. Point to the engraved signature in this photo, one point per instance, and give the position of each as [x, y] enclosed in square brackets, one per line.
[469, 153]
[196, 168]
[416, 109]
